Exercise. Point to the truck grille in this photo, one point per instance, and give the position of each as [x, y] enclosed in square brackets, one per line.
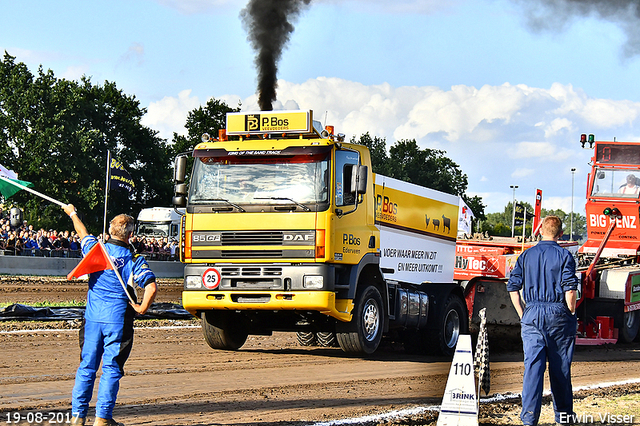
[248, 254]
[253, 254]
[245, 244]
[253, 238]
[251, 271]
[259, 238]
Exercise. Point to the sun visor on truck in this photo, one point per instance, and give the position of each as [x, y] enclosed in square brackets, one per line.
[290, 152]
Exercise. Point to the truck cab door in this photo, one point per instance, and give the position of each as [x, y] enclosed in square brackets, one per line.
[351, 231]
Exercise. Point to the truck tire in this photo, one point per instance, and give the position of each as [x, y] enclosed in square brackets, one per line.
[630, 326]
[223, 331]
[363, 333]
[306, 338]
[453, 323]
[326, 339]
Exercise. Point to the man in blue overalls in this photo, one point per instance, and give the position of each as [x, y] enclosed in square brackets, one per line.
[546, 274]
[107, 332]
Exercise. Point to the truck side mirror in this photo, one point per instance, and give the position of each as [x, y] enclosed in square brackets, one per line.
[180, 169]
[362, 179]
[180, 188]
[358, 179]
[356, 184]
[179, 201]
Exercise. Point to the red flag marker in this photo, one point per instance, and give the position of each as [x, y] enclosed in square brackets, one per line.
[97, 260]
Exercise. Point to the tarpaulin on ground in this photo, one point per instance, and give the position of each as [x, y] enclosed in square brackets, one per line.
[19, 312]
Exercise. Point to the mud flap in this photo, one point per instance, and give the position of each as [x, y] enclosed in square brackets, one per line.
[493, 295]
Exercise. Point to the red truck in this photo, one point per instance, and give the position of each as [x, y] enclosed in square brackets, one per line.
[608, 262]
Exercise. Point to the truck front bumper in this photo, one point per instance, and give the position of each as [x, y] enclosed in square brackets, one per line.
[324, 302]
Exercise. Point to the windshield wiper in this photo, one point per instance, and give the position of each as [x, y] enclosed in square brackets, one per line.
[224, 201]
[285, 199]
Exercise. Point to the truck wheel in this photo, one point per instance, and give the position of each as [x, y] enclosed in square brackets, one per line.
[326, 339]
[630, 327]
[363, 334]
[452, 324]
[306, 338]
[223, 331]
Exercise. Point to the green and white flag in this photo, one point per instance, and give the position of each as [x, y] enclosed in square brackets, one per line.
[11, 184]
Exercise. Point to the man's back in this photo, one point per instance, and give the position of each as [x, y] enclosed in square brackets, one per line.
[544, 272]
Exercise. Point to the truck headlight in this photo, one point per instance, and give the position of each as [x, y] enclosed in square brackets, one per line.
[193, 281]
[313, 281]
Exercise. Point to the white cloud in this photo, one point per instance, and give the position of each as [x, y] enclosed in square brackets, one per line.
[169, 114]
[564, 204]
[133, 55]
[75, 72]
[544, 150]
[599, 112]
[498, 135]
[397, 6]
[606, 112]
[31, 56]
[460, 114]
[190, 7]
[522, 172]
[557, 125]
[498, 199]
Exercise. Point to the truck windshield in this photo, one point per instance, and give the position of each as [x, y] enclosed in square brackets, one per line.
[300, 179]
[616, 183]
[154, 229]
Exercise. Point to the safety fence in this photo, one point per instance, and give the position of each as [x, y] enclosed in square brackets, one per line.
[42, 253]
[76, 254]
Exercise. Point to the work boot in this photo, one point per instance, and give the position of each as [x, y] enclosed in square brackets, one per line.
[106, 422]
[78, 421]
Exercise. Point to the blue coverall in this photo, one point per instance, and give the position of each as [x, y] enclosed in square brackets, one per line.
[545, 272]
[107, 332]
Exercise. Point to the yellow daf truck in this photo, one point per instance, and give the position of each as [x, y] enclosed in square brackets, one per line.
[287, 229]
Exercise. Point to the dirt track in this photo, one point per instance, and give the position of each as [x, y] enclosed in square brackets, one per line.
[174, 378]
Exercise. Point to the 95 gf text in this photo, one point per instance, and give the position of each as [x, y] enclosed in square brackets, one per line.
[37, 417]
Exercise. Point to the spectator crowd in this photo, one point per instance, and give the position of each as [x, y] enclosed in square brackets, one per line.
[27, 241]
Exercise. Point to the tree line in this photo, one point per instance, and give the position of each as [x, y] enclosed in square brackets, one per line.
[426, 167]
[56, 133]
[500, 224]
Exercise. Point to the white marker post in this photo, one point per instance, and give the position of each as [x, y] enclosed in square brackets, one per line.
[459, 403]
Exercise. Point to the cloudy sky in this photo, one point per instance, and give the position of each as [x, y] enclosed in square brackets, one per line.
[505, 87]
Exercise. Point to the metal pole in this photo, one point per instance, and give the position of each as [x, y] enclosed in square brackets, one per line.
[106, 193]
[573, 175]
[513, 210]
[524, 226]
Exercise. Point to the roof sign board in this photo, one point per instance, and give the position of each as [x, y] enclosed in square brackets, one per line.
[247, 123]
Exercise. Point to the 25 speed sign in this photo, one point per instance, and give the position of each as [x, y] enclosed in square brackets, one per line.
[211, 278]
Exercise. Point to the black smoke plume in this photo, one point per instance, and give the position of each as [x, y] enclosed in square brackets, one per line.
[269, 24]
[556, 14]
